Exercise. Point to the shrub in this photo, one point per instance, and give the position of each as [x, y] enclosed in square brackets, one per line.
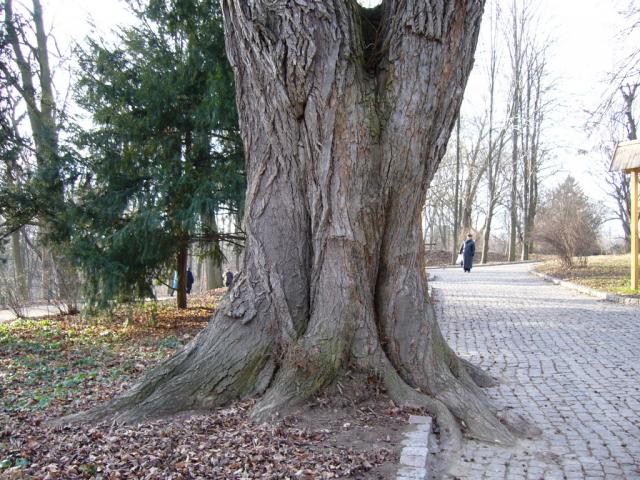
[568, 223]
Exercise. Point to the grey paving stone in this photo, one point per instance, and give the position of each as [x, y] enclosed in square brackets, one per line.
[567, 361]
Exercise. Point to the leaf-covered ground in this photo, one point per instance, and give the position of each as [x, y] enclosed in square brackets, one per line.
[608, 273]
[62, 365]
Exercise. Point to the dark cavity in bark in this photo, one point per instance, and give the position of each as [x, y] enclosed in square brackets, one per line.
[371, 27]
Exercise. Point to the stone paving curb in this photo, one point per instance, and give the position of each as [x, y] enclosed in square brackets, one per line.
[609, 297]
[415, 450]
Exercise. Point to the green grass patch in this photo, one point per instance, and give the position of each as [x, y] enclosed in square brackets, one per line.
[607, 273]
[49, 363]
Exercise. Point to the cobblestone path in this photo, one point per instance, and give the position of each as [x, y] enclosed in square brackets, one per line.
[566, 361]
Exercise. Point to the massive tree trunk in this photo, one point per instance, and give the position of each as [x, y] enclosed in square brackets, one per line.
[345, 114]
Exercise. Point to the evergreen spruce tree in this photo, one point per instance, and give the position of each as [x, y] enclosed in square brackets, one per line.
[164, 155]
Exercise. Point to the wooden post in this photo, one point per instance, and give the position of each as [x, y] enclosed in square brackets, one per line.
[634, 229]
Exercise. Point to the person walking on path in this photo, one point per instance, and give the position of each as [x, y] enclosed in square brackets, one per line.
[228, 279]
[468, 250]
[190, 280]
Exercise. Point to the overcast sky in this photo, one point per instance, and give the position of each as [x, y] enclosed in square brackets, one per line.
[584, 46]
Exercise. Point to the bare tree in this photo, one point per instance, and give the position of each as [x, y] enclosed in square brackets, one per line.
[345, 115]
[530, 88]
[519, 20]
[440, 206]
[475, 168]
[536, 104]
[456, 198]
[617, 184]
[628, 93]
[33, 81]
[613, 120]
[12, 174]
[496, 178]
[492, 160]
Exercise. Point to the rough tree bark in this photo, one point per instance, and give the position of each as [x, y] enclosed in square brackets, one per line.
[345, 114]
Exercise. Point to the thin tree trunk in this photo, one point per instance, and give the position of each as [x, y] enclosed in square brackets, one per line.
[181, 267]
[18, 265]
[47, 287]
[513, 200]
[214, 273]
[493, 195]
[629, 95]
[456, 198]
[41, 111]
[475, 173]
[526, 174]
[343, 130]
[213, 263]
[491, 183]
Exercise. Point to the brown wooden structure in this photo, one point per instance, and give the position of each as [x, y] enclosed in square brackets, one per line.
[627, 158]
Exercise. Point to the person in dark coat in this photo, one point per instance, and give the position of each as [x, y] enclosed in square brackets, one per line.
[190, 280]
[228, 279]
[468, 250]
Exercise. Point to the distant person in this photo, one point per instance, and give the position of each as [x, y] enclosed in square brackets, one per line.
[468, 250]
[228, 279]
[190, 280]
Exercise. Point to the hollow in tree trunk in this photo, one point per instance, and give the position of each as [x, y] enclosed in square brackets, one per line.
[345, 114]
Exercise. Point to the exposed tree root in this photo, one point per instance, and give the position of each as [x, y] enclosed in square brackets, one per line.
[404, 395]
[303, 373]
[478, 375]
[227, 361]
[231, 360]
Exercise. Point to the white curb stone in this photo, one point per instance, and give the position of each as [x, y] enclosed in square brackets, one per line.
[413, 458]
[609, 297]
